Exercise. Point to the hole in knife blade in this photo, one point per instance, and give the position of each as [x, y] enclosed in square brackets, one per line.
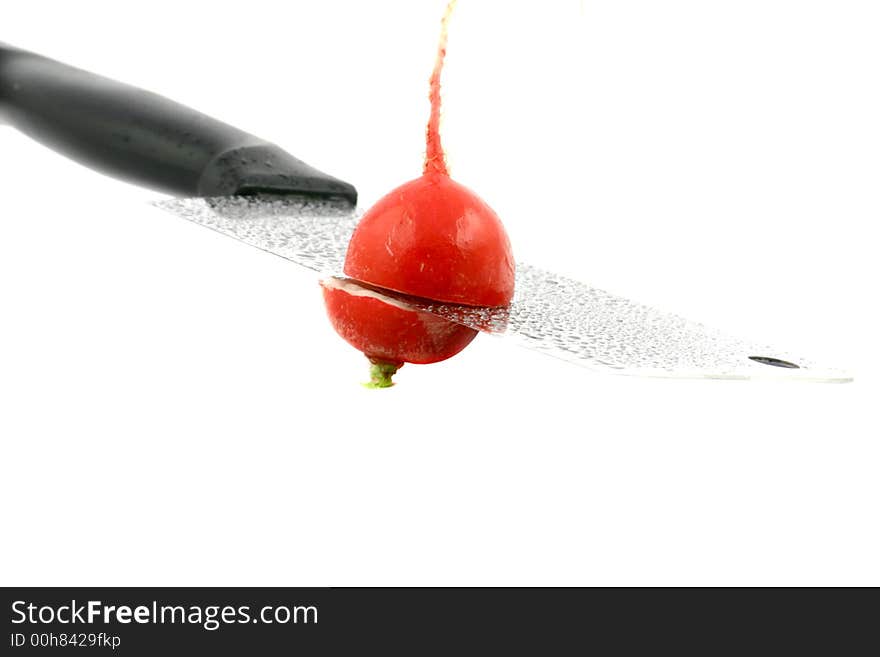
[775, 362]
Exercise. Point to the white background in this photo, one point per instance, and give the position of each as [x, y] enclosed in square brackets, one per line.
[175, 408]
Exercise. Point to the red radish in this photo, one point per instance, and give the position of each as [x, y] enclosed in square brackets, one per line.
[431, 238]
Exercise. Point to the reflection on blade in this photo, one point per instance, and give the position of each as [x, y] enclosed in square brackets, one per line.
[571, 320]
[552, 314]
[313, 233]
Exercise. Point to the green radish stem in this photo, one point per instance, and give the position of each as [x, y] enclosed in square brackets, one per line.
[381, 372]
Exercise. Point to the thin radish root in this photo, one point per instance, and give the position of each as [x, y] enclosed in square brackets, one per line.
[435, 159]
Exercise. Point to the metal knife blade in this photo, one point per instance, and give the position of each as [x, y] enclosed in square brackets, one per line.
[552, 314]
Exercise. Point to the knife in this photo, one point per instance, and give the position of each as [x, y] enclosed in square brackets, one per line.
[249, 189]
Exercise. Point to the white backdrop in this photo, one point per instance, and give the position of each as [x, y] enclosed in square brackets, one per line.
[175, 408]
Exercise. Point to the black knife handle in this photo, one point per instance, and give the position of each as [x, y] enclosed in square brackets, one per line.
[139, 136]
